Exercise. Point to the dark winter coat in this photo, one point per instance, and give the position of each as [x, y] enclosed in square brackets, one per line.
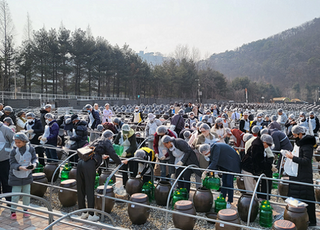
[178, 121]
[223, 156]
[81, 134]
[274, 125]
[242, 124]
[189, 156]
[104, 146]
[253, 161]
[280, 140]
[304, 170]
[43, 112]
[11, 115]
[38, 130]
[265, 123]
[54, 132]
[97, 120]
[13, 180]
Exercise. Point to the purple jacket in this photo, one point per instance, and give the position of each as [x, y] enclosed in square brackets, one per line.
[54, 131]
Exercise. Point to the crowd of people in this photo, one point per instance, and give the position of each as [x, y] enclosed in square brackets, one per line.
[237, 141]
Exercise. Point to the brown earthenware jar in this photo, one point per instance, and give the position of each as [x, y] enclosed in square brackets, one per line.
[109, 203]
[138, 214]
[202, 199]
[49, 170]
[37, 189]
[228, 215]
[243, 207]
[134, 185]
[283, 225]
[297, 215]
[184, 222]
[73, 173]
[104, 175]
[161, 192]
[240, 184]
[66, 197]
[283, 187]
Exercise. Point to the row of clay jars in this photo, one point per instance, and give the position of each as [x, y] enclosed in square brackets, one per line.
[109, 203]
[66, 197]
[37, 189]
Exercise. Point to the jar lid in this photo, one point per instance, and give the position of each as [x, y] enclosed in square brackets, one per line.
[183, 205]
[38, 176]
[284, 225]
[227, 214]
[68, 183]
[139, 197]
[100, 188]
[295, 209]
[203, 189]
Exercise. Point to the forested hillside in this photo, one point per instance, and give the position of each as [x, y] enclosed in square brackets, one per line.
[289, 60]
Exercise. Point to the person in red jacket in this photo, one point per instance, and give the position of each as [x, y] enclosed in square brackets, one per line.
[238, 139]
[161, 152]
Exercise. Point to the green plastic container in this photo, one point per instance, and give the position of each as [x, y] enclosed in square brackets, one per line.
[148, 188]
[220, 203]
[179, 195]
[64, 175]
[265, 217]
[211, 183]
[38, 169]
[118, 149]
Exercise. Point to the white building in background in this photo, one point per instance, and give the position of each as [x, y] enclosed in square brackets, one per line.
[152, 58]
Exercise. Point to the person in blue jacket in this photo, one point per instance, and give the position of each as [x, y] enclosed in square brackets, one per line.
[224, 158]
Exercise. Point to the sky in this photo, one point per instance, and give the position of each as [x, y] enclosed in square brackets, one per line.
[212, 26]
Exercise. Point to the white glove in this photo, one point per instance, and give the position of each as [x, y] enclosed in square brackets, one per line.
[204, 174]
[39, 138]
[180, 163]
[44, 139]
[173, 176]
[162, 158]
[30, 131]
[138, 176]
[67, 138]
[156, 155]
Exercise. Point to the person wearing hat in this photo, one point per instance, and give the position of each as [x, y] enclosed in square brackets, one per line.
[34, 131]
[289, 124]
[8, 112]
[208, 118]
[237, 136]
[21, 121]
[160, 151]
[117, 124]
[6, 141]
[224, 158]
[127, 139]
[137, 115]
[43, 111]
[144, 169]
[23, 160]
[219, 130]
[50, 137]
[302, 121]
[186, 135]
[151, 128]
[258, 160]
[181, 154]
[107, 114]
[266, 121]
[177, 122]
[215, 111]
[192, 119]
[86, 172]
[313, 122]
[255, 133]
[258, 121]
[186, 128]
[8, 122]
[244, 125]
[274, 124]
[282, 118]
[304, 160]
[80, 133]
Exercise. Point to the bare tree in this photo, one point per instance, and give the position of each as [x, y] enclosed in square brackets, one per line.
[6, 39]
[28, 29]
[182, 52]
